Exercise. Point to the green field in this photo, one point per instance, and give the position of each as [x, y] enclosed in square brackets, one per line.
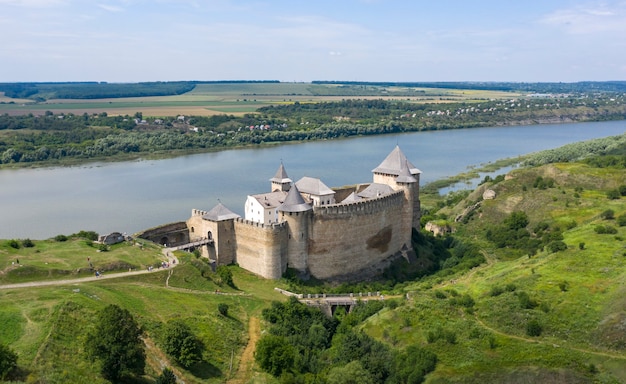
[240, 98]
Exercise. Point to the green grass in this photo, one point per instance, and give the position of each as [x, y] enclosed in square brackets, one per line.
[579, 294]
[50, 259]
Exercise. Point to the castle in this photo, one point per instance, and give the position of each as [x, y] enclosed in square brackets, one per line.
[336, 234]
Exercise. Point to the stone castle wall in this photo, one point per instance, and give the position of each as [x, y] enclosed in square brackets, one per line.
[260, 247]
[348, 238]
[171, 234]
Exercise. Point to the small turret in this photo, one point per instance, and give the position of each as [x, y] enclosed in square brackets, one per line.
[297, 214]
[280, 181]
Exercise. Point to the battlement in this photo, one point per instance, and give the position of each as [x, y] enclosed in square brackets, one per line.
[198, 212]
[260, 225]
[376, 204]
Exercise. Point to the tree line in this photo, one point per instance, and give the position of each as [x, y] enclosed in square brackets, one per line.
[32, 138]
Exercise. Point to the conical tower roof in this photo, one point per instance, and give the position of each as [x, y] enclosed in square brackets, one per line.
[393, 163]
[294, 202]
[405, 176]
[281, 176]
[220, 213]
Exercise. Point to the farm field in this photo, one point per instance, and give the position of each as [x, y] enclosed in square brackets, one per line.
[239, 99]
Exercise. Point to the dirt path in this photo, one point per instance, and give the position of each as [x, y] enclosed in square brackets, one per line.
[244, 373]
[173, 261]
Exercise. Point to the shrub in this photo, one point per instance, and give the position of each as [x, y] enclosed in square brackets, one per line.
[510, 287]
[225, 276]
[605, 229]
[28, 243]
[525, 301]
[533, 328]
[8, 361]
[609, 214]
[581, 245]
[167, 377]
[89, 235]
[60, 238]
[14, 244]
[621, 220]
[223, 309]
[556, 246]
[613, 194]
[496, 291]
[440, 295]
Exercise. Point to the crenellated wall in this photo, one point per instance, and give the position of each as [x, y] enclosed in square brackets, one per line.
[171, 234]
[348, 238]
[261, 247]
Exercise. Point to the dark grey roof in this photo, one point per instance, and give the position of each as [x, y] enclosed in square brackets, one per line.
[313, 186]
[281, 175]
[220, 213]
[375, 190]
[294, 202]
[405, 176]
[393, 164]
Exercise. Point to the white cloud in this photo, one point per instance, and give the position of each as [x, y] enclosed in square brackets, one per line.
[111, 8]
[589, 18]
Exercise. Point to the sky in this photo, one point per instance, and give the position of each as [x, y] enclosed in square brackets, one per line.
[306, 40]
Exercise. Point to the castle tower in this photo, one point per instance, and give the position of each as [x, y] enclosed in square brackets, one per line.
[297, 214]
[219, 227]
[280, 181]
[406, 182]
[395, 171]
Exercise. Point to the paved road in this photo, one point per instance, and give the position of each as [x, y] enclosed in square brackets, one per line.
[167, 252]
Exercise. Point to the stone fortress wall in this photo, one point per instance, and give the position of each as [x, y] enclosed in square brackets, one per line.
[341, 241]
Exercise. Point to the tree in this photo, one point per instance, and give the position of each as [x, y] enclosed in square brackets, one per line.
[351, 373]
[225, 275]
[8, 361]
[167, 377]
[180, 343]
[223, 309]
[116, 343]
[533, 328]
[274, 354]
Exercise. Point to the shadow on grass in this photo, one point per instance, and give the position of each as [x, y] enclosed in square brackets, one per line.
[204, 370]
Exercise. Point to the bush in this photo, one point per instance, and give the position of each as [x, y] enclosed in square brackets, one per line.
[605, 230]
[14, 244]
[89, 235]
[223, 309]
[533, 328]
[60, 238]
[8, 361]
[167, 377]
[225, 276]
[581, 245]
[609, 214]
[613, 194]
[525, 301]
[621, 220]
[28, 243]
[563, 286]
[496, 291]
[556, 246]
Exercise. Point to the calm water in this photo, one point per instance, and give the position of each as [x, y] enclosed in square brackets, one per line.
[131, 196]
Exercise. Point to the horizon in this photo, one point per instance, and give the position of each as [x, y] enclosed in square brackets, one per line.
[131, 41]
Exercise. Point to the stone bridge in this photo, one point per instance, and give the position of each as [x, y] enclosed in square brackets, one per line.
[329, 303]
[193, 244]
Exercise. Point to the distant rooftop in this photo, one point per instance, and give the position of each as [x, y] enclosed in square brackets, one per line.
[313, 186]
[220, 213]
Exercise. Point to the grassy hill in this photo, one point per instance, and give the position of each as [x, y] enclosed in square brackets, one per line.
[526, 314]
[554, 317]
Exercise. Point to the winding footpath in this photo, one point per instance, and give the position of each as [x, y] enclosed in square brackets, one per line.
[167, 252]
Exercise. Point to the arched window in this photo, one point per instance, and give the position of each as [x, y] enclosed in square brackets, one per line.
[210, 235]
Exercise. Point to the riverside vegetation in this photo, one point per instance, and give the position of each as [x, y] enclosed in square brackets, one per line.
[527, 289]
[46, 137]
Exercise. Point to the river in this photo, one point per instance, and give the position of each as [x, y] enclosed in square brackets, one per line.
[135, 195]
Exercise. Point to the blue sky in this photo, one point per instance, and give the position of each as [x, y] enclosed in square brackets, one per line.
[356, 40]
